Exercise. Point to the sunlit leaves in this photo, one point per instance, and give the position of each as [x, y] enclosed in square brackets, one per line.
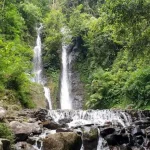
[12, 23]
[53, 23]
[127, 21]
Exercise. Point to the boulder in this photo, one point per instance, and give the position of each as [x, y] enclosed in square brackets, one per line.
[42, 114]
[105, 131]
[137, 131]
[23, 130]
[65, 121]
[51, 125]
[138, 140]
[24, 146]
[4, 144]
[90, 138]
[144, 123]
[147, 130]
[31, 140]
[63, 130]
[124, 139]
[26, 113]
[62, 141]
[147, 144]
[112, 139]
[2, 113]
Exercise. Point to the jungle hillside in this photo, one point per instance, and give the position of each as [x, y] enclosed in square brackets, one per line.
[114, 50]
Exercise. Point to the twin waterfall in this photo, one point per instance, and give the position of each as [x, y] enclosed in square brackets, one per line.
[38, 69]
[65, 98]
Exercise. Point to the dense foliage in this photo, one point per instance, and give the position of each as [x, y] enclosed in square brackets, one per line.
[17, 32]
[118, 51]
[114, 55]
[5, 132]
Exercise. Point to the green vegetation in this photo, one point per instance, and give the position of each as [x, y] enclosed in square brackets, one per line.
[17, 33]
[116, 62]
[5, 132]
[53, 22]
[114, 57]
[114, 54]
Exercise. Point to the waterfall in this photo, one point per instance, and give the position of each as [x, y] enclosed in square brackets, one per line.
[38, 69]
[65, 99]
[37, 61]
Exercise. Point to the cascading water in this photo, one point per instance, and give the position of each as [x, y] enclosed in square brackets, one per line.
[48, 96]
[100, 142]
[95, 117]
[65, 98]
[37, 70]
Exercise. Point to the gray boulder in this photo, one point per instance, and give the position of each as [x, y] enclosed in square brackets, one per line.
[24, 146]
[23, 130]
[62, 141]
[90, 138]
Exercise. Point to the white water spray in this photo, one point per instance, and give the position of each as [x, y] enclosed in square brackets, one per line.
[37, 70]
[48, 97]
[65, 98]
[85, 117]
[100, 142]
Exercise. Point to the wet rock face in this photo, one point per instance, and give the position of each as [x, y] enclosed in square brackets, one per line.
[52, 125]
[65, 120]
[42, 115]
[108, 129]
[77, 91]
[62, 141]
[129, 138]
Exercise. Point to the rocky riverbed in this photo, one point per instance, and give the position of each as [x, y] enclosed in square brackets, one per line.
[71, 130]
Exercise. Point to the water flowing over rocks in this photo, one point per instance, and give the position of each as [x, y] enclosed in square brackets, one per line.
[69, 129]
[77, 89]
